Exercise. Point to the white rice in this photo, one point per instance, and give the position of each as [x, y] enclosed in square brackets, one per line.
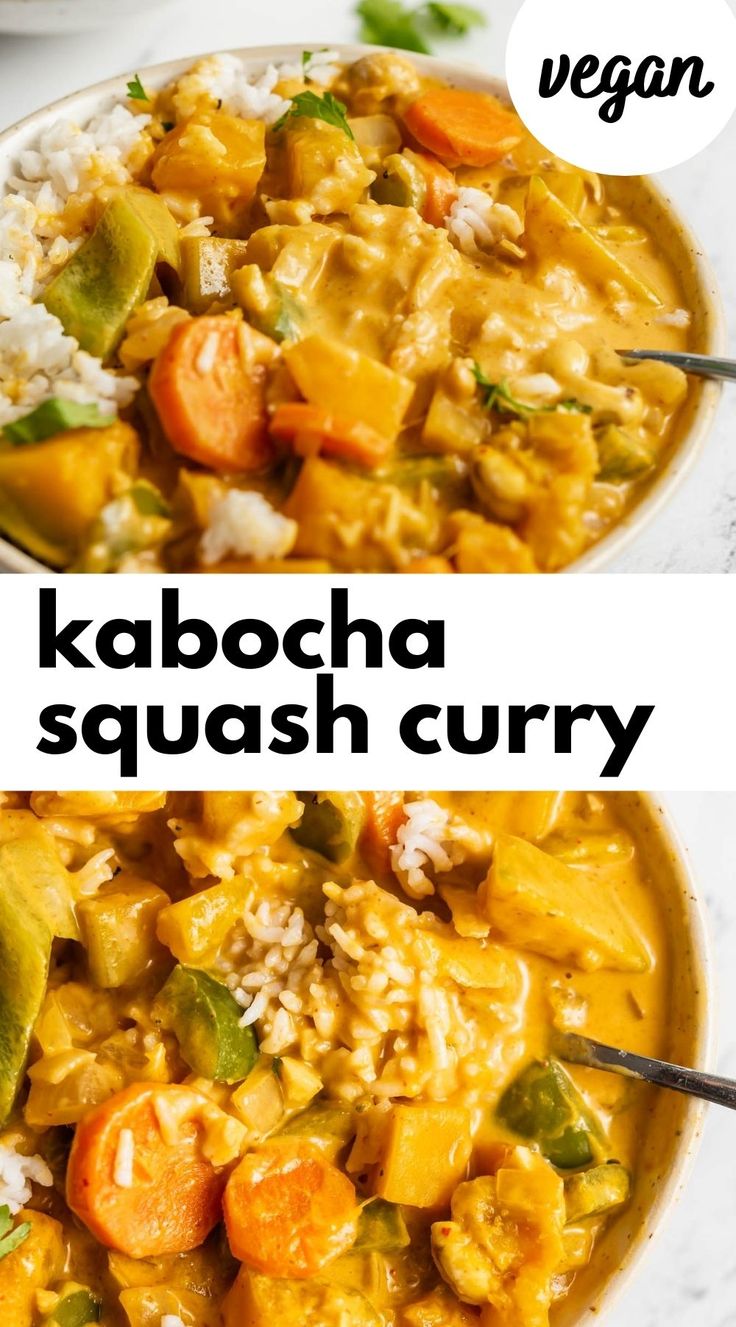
[364, 999]
[172, 1320]
[124, 1158]
[244, 524]
[17, 1174]
[477, 224]
[426, 839]
[322, 67]
[223, 79]
[674, 318]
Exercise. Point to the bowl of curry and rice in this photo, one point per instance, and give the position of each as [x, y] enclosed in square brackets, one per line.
[290, 1056]
[280, 310]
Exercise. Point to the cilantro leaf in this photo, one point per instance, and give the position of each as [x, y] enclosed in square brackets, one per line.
[55, 416]
[136, 90]
[497, 396]
[307, 57]
[10, 1241]
[310, 106]
[455, 20]
[390, 23]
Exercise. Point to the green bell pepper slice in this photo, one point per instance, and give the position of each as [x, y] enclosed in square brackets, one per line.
[205, 1019]
[76, 1309]
[331, 824]
[544, 1106]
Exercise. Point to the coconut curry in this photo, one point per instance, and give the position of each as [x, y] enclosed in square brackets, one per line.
[275, 1056]
[378, 333]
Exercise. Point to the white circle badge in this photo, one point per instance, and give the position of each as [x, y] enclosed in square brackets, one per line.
[624, 89]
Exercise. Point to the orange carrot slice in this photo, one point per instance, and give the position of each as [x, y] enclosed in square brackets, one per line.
[208, 387]
[310, 430]
[463, 128]
[288, 1211]
[171, 1197]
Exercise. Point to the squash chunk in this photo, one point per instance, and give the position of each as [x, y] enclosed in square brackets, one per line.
[194, 928]
[34, 1265]
[551, 228]
[537, 902]
[424, 1155]
[211, 166]
[347, 382]
[325, 167]
[51, 492]
[262, 1301]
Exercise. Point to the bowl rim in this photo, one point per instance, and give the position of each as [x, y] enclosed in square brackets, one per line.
[698, 930]
[685, 453]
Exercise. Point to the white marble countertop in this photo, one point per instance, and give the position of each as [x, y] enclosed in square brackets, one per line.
[697, 531]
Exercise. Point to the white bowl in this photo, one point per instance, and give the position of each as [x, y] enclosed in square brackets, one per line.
[56, 16]
[652, 204]
[675, 1124]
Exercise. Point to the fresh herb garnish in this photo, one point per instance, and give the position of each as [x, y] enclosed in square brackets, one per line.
[136, 90]
[307, 57]
[410, 27]
[497, 396]
[390, 23]
[309, 106]
[55, 416]
[456, 20]
[10, 1239]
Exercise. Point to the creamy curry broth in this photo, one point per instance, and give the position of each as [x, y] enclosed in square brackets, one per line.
[393, 330]
[397, 1075]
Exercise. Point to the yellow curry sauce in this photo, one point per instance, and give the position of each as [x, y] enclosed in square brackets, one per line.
[329, 1018]
[378, 334]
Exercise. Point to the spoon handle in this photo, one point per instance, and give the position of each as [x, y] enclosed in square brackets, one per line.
[703, 366]
[581, 1050]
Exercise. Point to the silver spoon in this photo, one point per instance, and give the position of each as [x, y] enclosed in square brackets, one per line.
[574, 1049]
[703, 366]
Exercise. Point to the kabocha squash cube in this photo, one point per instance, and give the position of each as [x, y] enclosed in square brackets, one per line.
[51, 492]
[325, 167]
[424, 1154]
[211, 166]
[537, 902]
[343, 380]
[194, 928]
[263, 1301]
[35, 1263]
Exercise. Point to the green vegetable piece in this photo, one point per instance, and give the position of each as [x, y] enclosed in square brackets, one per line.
[25, 952]
[207, 265]
[9, 1238]
[497, 396]
[400, 183]
[31, 868]
[205, 1019]
[55, 416]
[331, 824]
[309, 105]
[390, 23]
[153, 210]
[136, 90]
[621, 455]
[330, 1128]
[544, 1105]
[596, 1191]
[105, 280]
[382, 1228]
[76, 1310]
[455, 20]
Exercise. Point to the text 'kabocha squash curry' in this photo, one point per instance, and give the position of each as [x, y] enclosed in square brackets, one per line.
[324, 319]
[271, 1057]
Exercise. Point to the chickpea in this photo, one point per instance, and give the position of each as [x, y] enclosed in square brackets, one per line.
[500, 485]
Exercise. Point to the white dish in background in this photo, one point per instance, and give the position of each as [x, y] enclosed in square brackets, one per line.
[52, 17]
[652, 203]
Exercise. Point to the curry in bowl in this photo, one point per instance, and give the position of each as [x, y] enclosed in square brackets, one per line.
[278, 1056]
[327, 317]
